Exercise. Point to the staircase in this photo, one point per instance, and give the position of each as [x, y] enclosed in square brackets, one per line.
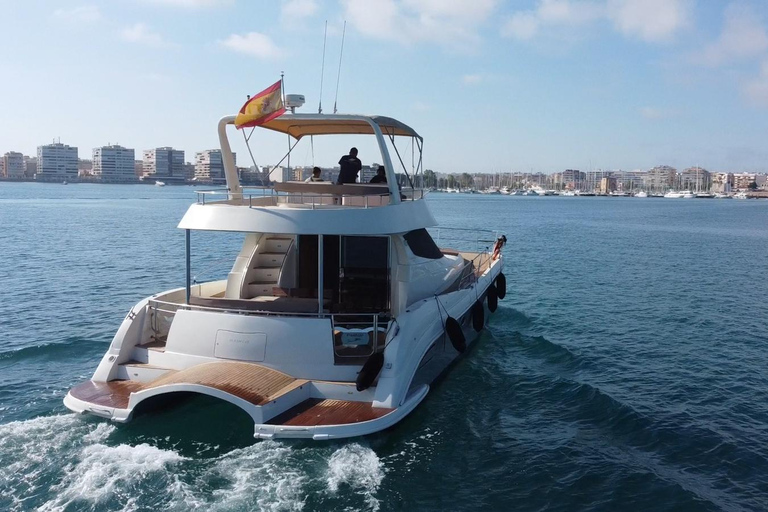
[264, 274]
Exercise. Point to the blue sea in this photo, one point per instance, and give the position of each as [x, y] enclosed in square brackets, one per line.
[627, 368]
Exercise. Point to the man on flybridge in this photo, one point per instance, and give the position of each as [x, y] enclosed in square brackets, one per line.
[350, 165]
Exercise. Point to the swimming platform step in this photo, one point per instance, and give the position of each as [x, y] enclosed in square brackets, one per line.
[267, 395]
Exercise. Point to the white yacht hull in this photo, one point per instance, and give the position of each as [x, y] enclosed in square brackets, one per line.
[205, 352]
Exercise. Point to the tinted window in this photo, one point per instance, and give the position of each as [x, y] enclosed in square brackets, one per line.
[422, 245]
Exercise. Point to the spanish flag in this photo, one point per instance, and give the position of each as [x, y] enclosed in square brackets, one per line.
[263, 107]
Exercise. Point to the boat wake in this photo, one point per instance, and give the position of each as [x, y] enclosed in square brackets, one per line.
[64, 462]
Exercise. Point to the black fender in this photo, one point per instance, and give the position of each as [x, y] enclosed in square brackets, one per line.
[501, 285]
[370, 371]
[493, 298]
[478, 316]
[455, 334]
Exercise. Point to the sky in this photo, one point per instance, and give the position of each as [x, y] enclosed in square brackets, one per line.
[491, 85]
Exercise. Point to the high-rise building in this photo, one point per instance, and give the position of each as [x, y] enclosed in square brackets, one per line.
[114, 163]
[661, 177]
[30, 164]
[209, 165]
[695, 178]
[13, 165]
[742, 181]
[166, 164]
[56, 161]
[630, 180]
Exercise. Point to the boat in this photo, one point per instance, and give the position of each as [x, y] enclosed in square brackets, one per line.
[336, 316]
[704, 195]
[530, 192]
[568, 193]
[687, 194]
[160, 183]
[740, 195]
[722, 195]
[673, 194]
[642, 193]
[65, 182]
[518, 192]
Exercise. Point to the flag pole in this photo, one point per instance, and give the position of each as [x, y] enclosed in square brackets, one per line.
[282, 91]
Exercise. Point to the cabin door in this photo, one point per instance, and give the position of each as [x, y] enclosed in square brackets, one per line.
[364, 274]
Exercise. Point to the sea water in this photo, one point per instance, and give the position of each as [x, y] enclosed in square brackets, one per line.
[627, 368]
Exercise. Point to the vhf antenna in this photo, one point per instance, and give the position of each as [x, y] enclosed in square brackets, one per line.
[341, 52]
[322, 70]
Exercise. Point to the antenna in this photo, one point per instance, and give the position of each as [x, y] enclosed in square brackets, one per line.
[322, 70]
[341, 52]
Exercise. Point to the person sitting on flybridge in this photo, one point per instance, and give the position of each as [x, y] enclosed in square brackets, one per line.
[349, 166]
[381, 176]
[316, 171]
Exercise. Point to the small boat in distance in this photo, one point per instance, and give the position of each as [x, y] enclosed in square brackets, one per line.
[642, 193]
[337, 314]
[160, 183]
[64, 182]
[740, 195]
[673, 194]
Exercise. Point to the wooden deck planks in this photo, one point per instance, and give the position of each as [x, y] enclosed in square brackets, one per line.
[316, 411]
[254, 383]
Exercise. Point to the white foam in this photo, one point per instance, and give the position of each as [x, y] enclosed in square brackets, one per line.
[69, 462]
[359, 468]
[104, 471]
[32, 452]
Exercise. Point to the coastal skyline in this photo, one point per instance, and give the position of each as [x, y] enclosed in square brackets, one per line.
[537, 85]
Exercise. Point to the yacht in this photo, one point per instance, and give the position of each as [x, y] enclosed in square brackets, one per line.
[335, 317]
[642, 193]
[530, 192]
[705, 195]
[673, 194]
[722, 195]
[160, 183]
[740, 195]
[568, 193]
[687, 194]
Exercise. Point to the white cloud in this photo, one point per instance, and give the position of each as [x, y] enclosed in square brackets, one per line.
[743, 36]
[140, 33]
[82, 14]
[454, 23]
[254, 44]
[522, 26]
[471, 79]
[649, 20]
[191, 4]
[298, 9]
[756, 89]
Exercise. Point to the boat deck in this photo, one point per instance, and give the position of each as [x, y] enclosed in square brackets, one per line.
[317, 411]
[251, 382]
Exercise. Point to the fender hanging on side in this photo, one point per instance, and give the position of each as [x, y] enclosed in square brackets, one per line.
[493, 298]
[478, 316]
[370, 371]
[455, 334]
[501, 285]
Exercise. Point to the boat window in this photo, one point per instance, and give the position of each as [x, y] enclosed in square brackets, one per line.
[422, 245]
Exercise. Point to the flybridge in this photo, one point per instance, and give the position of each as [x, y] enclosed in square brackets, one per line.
[299, 126]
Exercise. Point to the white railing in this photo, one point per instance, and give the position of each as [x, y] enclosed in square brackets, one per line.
[468, 239]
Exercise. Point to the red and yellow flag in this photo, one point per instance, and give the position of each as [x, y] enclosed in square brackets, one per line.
[263, 107]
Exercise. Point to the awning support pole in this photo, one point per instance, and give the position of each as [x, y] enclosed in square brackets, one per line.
[320, 283]
[189, 266]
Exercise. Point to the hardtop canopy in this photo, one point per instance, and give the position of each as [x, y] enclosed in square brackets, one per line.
[301, 125]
